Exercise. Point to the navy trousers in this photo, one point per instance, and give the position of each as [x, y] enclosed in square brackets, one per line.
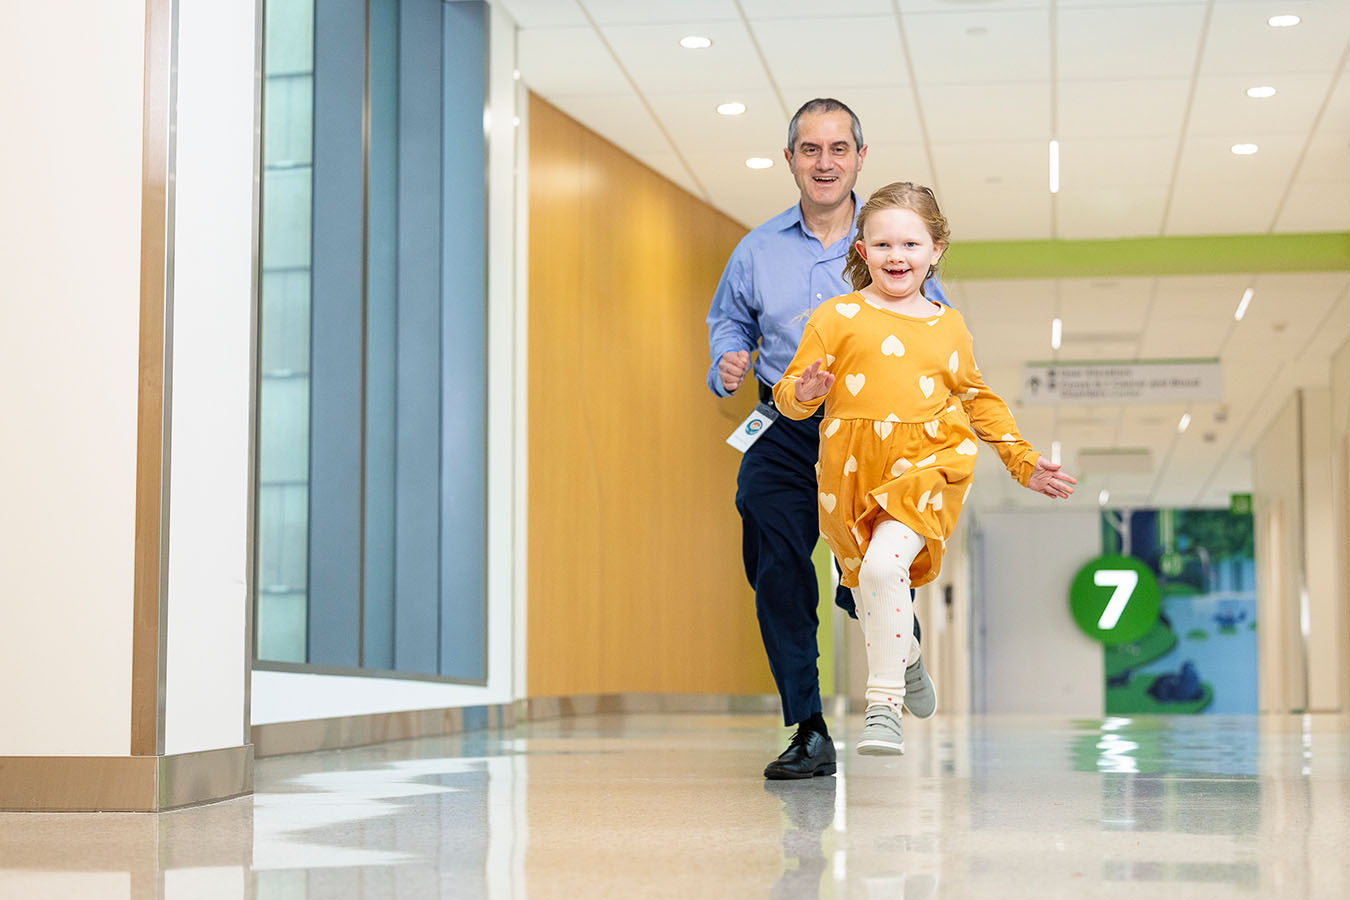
[776, 497]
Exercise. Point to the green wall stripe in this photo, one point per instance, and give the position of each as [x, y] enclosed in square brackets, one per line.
[1255, 253]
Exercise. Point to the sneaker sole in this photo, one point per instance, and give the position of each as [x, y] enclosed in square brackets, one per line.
[881, 748]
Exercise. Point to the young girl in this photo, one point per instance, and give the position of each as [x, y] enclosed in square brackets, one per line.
[904, 402]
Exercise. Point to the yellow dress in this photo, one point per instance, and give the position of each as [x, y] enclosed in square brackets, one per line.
[900, 425]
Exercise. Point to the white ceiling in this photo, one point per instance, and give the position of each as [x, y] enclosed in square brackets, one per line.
[1145, 98]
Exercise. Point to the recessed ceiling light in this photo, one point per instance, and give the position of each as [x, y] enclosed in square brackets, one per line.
[1056, 333]
[1283, 21]
[1184, 423]
[1104, 497]
[759, 162]
[1262, 92]
[731, 109]
[1243, 304]
[695, 42]
[1244, 149]
[1054, 452]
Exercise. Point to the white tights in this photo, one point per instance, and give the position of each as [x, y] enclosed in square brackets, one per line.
[886, 611]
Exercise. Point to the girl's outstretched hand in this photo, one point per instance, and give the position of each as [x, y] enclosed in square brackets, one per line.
[1050, 481]
[813, 384]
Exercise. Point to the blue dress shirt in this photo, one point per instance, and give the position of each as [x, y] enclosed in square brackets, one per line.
[776, 277]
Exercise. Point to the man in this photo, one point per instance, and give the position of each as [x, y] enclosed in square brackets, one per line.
[776, 276]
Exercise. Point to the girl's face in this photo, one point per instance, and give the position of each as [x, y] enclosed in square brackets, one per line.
[898, 251]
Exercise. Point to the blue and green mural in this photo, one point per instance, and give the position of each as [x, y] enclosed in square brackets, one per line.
[1200, 655]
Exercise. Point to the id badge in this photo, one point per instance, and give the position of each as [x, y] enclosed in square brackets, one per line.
[753, 428]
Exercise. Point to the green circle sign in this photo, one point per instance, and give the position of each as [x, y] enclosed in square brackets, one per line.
[1115, 599]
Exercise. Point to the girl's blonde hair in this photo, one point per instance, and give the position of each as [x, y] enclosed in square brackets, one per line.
[898, 195]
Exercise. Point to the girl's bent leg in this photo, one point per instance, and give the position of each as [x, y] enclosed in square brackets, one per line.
[886, 610]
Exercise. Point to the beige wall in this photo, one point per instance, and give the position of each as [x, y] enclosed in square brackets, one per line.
[635, 576]
[1340, 493]
[1301, 537]
[70, 250]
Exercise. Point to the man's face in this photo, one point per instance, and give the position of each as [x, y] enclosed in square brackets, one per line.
[825, 163]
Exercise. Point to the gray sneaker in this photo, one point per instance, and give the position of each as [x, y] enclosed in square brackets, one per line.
[881, 734]
[920, 695]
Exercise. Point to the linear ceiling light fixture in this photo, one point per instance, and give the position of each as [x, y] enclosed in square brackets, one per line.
[1054, 452]
[1054, 167]
[1104, 497]
[1243, 304]
[1184, 423]
[695, 42]
[1056, 333]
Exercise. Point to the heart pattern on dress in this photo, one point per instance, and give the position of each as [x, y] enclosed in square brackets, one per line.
[967, 448]
[850, 466]
[852, 562]
[883, 429]
[1008, 437]
[923, 501]
[926, 384]
[971, 394]
[892, 346]
[931, 428]
[901, 467]
[829, 360]
[953, 362]
[828, 501]
[881, 500]
[847, 310]
[831, 428]
[937, 501]
[927, 460]
[855, 383]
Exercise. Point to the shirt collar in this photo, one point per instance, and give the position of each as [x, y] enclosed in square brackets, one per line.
[792, 218]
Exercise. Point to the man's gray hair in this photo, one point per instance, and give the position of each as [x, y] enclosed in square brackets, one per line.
[817, 107]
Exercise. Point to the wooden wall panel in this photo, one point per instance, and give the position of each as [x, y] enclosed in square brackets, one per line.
[635, 573]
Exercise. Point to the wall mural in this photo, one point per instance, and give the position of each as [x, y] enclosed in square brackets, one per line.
[1200, 654]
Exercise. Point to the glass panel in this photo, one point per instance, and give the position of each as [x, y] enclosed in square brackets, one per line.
[283, 402]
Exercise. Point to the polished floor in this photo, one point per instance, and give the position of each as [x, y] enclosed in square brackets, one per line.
[674, 806]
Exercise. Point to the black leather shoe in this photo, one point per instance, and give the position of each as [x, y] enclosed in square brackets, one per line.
[808, 753]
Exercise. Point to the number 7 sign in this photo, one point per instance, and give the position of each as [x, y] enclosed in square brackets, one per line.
[1115, 599]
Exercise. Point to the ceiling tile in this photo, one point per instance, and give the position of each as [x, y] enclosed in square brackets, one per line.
[980, 46]
[793, 49]
[1115, 162]
[545, 13]
[621, 119]
[694, 124]
[1123, 42]
[1100, 213]
[888, 162]
[1239, 34]
[626, 12]
[1314, 206]
[992, 163]
[1327, 157]
[653, 56]
[996, 213]
[561, 61]
[1222, 107]
[811, 9]
[995, 112]
[1140, 107]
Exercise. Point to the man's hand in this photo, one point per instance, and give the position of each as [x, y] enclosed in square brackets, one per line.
[813, 384]
[1047, 479]
[732, 368]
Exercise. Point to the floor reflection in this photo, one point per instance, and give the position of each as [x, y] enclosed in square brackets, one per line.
[673, 806]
